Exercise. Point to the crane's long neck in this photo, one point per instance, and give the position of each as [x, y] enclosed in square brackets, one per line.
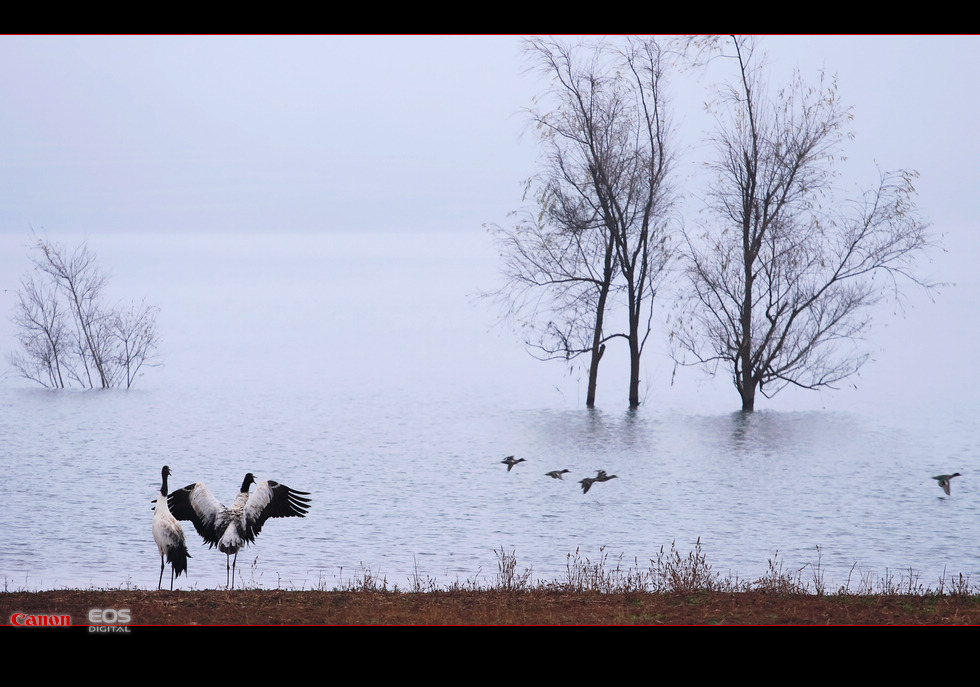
[247, 482]
[162, 505]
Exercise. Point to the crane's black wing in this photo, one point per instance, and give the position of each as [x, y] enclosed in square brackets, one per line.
[273, 500]
[196, 503]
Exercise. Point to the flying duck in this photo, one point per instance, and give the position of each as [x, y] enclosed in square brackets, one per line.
[944, 481]
[510, 462]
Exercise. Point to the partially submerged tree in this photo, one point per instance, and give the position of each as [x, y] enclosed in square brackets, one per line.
[134, 333]
[43, 335]
[784, 274]
[599, 233]
[67, 334]
[559, 283]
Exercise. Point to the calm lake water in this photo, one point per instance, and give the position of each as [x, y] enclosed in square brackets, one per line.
[364, 370]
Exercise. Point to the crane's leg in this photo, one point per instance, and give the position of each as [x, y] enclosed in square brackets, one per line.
[233, 563]
[227, 570]
[171, 577]
[160, 582]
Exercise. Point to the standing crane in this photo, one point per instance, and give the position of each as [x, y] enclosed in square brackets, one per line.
[232, 528]
[169, 535]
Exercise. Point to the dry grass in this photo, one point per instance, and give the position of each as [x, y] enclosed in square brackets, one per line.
[674, 589]
[494, 607]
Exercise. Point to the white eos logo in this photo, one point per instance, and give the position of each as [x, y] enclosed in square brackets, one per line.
[108, 616]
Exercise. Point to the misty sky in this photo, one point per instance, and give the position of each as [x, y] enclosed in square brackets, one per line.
[141, 135]
[259, 134]
[171, 134]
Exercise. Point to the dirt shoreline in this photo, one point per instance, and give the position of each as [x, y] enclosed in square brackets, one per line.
[27, 610]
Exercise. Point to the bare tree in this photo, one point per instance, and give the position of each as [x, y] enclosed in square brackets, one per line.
[134, 331]
[66, 332]
[635, 198]
[600, 230]
[558, 283]
[784, 276]
[78, 278]
[41, 331]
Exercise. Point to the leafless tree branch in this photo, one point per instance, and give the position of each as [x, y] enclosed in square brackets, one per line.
[599, 235]
[781, 288]
[67, 336]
